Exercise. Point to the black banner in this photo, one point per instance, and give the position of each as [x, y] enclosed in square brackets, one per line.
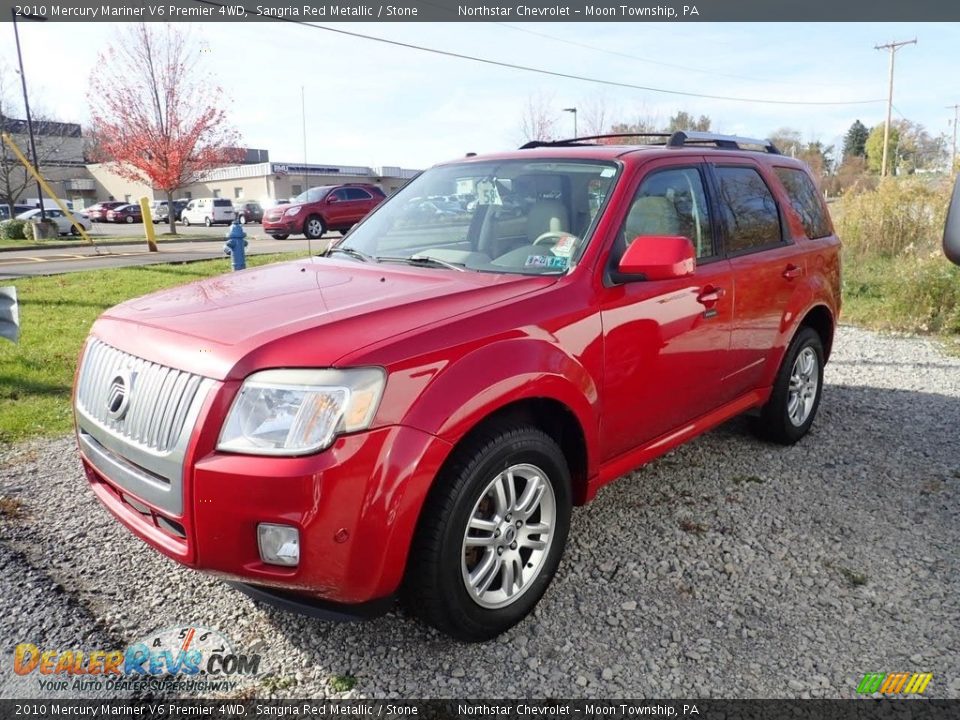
[488, 709]
[318, 11]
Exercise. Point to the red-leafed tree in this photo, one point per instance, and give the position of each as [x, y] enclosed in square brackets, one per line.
[156, 113]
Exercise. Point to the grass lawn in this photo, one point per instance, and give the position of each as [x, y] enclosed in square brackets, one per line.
[56, 313]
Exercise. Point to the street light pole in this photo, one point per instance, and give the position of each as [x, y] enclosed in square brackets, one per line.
[574, 111]
[26, 107]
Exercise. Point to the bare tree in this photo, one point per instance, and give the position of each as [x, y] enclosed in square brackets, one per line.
[539, 118]
[49, 138]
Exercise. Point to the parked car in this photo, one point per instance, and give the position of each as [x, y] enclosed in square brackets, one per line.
[64, 226]
[6, 212]
[125, 214]
[248, 212]
[327, 207]
[209, 211]
[98, 212]
[418, 410]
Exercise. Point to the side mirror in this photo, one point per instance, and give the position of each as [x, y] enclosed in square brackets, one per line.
[332, 199]
[951, 229]
[658, 257]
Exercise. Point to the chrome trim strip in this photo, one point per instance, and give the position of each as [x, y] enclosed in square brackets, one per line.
[127, 475]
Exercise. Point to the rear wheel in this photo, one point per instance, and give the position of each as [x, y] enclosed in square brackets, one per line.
[74, 231]
[314, 228]
[243, 219]
[207, 222]
[491, 534]
[793, 405]
[129, 219]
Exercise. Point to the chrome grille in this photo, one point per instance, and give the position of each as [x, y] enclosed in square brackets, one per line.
[160, 397]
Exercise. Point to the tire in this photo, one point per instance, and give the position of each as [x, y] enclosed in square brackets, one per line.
[280, 237]
[243, 219]
[314, 227]
[207, 222]
[441, 564]
[129, 219]
[344, 231]
[73, 230]
[784, 419]
[185, 221]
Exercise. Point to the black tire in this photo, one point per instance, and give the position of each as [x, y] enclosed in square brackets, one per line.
[314, 227]
[74, 231]
[280, 237]
[434, 586]
[774, 422]
[185, 221]
[243, 219]
[344, 231]
[207, 221]
[129, 219]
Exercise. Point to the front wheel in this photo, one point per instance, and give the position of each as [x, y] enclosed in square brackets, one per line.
[243, 219]
[491, 534]
[793, 404]
[314, 228]
[207, 221]
[185, 221]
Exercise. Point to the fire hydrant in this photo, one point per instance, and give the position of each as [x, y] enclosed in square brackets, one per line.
[236, 245]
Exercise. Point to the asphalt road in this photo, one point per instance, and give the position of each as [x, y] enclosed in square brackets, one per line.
[16, 264]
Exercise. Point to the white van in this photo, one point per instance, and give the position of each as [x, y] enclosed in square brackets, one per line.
[208, 211]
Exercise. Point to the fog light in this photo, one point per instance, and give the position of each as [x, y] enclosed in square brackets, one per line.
[279, 544]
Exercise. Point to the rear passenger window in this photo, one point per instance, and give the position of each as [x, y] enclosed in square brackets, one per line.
[806, 201]
[358, 194]
[748, 208]
[671, 202]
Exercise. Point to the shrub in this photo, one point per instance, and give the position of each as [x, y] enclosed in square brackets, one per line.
[13, 230]
[901, 215]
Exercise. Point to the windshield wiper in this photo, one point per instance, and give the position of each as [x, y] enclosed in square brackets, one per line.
[425, 260]
[356, 254]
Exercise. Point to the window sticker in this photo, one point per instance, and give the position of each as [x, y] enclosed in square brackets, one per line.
[547, 261]
[564, 246]
[487, 193]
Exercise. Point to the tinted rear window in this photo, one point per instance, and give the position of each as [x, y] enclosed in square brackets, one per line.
[749, 209]
[222, 203]
[806, 201]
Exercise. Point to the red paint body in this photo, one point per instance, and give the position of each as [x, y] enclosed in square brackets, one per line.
[639, 366]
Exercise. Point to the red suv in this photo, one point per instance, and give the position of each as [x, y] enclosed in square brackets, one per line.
[417, 411]
[327, 207]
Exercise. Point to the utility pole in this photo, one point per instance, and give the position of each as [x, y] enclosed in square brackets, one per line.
[953, 155]
[892, 47]
[26, 103]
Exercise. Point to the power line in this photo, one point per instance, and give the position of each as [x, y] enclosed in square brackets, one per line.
[541, 71]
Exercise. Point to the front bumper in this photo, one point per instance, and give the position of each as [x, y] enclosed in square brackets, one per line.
[286, 226]
[355, 505]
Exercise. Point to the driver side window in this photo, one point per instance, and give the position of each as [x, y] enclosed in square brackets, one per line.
[670, 202]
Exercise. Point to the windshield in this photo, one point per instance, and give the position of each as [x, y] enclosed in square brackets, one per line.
[310, 196]
[516, 216]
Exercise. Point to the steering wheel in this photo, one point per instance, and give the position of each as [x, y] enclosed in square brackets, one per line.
[555, 234]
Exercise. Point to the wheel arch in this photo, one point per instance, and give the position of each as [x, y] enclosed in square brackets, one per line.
[821, 320]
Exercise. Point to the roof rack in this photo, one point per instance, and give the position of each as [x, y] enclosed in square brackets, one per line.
[579, 140]
[682, 138]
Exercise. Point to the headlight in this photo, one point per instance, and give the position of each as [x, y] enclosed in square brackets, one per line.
[293, 211]
[297, 412]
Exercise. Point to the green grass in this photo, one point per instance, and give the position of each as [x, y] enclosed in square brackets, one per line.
[342, 683]
[56, 313]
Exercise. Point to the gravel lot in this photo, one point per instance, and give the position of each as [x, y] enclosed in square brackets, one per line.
[729, 568]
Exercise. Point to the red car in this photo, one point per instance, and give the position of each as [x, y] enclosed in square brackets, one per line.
[125, 214]
[98, 212]
[328, 207]
[418, 410]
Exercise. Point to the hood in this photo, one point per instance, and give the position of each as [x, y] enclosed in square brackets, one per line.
[303, 313]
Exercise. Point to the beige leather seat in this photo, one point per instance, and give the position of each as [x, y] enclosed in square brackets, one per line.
[654, 215]
[546, 216]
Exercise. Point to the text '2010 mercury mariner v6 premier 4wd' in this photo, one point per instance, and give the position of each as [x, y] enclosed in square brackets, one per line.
[416, 411]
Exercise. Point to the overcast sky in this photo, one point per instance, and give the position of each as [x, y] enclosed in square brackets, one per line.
[368, 103]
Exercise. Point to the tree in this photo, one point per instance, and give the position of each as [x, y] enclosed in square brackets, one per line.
[874, 149]
[48, 139]
[917, 149]
[539, 119]
[788, 140]
[156, 113]
[854, 142]
[685, 121]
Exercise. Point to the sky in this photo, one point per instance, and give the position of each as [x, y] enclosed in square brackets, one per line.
[368, 103]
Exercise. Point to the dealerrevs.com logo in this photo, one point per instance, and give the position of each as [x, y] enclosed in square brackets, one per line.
[188, 657]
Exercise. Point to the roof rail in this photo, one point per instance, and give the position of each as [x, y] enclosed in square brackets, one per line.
[682, 138]
[578, 140]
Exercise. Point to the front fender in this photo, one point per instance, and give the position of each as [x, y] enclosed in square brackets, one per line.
[449, 398]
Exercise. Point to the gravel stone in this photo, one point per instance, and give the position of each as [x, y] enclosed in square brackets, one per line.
[842, 560]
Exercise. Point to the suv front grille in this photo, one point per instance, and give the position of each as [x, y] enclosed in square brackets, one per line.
[159, 397]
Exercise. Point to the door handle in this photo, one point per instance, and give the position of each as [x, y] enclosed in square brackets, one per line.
[791, 272]
[710, 295]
